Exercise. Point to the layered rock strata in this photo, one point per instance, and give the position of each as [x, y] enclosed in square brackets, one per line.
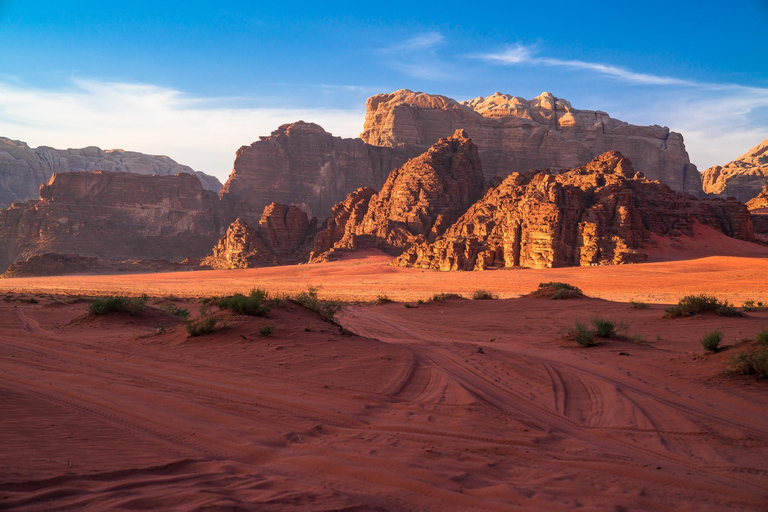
[114, 215]
[598, 214]
[744, 178]
[23, 169]
[518, 135]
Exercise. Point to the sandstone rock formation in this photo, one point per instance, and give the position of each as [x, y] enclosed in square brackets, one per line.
[114, 215]
[758, 207]
[281, 237]
[601, 213]
[419, 200]
[744, 178]
[518, 135]
[350, 212]
[759, 203]
[302, 164]
[24, 169]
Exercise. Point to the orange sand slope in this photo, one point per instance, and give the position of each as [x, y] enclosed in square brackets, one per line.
[104, 413]
[364, 276]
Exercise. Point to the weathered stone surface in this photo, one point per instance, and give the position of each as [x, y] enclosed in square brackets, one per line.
[744, 178]
[24, 169]
[114, 215]
[349, 212]
[759, 202]
[601, 213]
[302, 164]
[419, 200]
[518, 135]
[282, 237]
[758, 207]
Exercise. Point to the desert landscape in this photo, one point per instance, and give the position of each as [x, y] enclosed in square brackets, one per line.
[343, 293]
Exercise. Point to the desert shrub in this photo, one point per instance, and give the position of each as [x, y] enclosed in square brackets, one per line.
[711, 340]
[557, 291]
[696, 304]
[482, 295]
[604, 328]
[266, 330]
[117, 304]
[382, 299]
[754, 363]
[254, 304]
[750, 305]
[326, 308]
[204, 325]
[634, 304]
[762, 337]
[583, 336]
[439, 297]
[409, 306]
[175, 310]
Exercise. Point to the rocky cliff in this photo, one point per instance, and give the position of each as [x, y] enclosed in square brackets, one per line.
[744, 178]
[758, 207]
[601, 213]
[23, 169]
[114, 215]
[518, 135]
[283, 236]
[302, 164]
[418, 202]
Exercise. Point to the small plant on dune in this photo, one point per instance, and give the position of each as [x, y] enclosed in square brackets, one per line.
[696, 304]
[711, 341]
[266, 330]
[604, 328]
[382, 299]
[204, 325]
[482, 295]
[420, 301]
[634, 304]
[409, 306]
[326, 308]
[750, 363]
[439, 297]
[750, 305]
[557, 291]
[175, 310]
[254, 304]
[117, 304]
[762, 337]
[583, 336]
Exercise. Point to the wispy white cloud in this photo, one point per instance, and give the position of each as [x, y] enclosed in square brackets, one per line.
[418, 57]
[195, 131]
[522, 54]
[417, 43]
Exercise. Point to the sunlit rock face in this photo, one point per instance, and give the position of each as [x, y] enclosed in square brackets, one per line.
[417, 203]
[600, 214]
[744, 178]
[303, 165]
[518, 135]
[23, 169]
[114, 215]
[283, 236]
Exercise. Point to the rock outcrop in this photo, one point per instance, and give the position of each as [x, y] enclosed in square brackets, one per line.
[744, 178]
[518, 135]
[417, 203]
[758, 207]
[114, 216]
[759, 203]
[349, 212]
[302, 164]
[282, 237]
[598, 214]
[23, 169]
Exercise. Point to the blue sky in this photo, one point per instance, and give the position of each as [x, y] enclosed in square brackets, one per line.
[196, 81]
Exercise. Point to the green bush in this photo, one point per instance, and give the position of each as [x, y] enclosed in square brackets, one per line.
[750, 305]
[583, 335]
[482, 295]
[762, 337]
[175, 311]
[696, 304]
[634, 304]
[382, 299]
[254, 304]
[204, 325]
[439, 297]
[266, 330]
[755, 363]
[711, 341]
[326, 308]
[557, 291]
[117, 304]
[604, 328]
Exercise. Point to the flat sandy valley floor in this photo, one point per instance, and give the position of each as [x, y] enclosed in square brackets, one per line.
[447, 405]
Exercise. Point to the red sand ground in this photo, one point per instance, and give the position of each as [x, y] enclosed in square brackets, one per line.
[402, 413]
